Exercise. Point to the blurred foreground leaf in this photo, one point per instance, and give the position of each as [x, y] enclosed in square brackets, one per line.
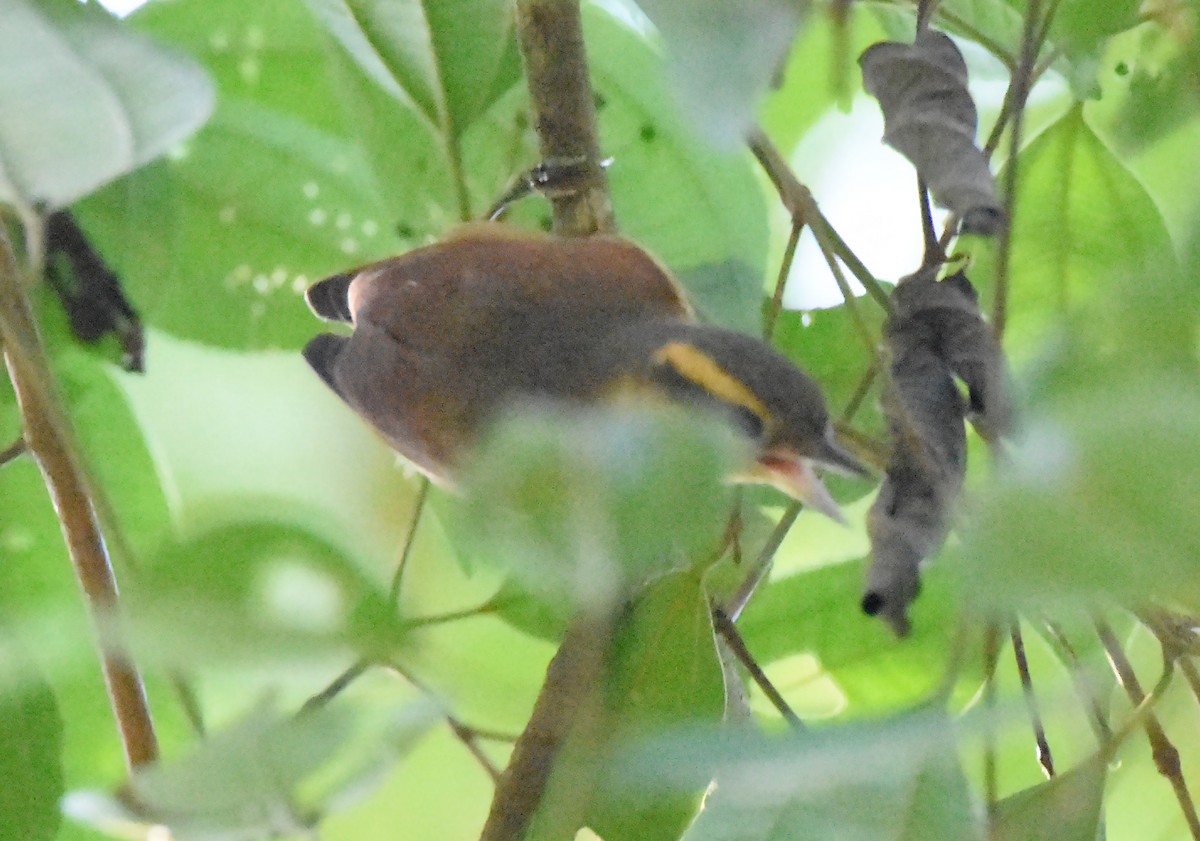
[270, 773]
[587, 505]
[69, 66]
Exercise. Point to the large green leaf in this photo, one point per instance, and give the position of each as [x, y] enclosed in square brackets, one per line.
[450, 58]
[1080, 219]
[69, 65]
[665, 675]
[218, 242]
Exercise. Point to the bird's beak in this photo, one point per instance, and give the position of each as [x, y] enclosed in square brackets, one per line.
[794, 475]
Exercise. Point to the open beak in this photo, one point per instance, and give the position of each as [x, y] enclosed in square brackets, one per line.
[794, 475]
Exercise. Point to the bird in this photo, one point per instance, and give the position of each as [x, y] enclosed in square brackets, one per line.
[448, 336]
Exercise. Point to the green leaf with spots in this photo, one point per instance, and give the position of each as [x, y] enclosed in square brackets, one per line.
[218, 243]
[69, 65]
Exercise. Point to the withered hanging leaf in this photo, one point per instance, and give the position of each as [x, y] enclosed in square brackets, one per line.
[935, 334]
[930, 118]
[90, 291]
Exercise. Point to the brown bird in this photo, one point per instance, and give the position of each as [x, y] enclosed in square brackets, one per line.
[447, 336]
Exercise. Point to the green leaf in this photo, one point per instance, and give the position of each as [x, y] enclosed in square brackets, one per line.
[219, 243]
[69, 65]
[1080, 218]
[31, 747]
[269, 773]
[724, 58]
[1066, 808]
[1099, 493]
[665, 676]
[450, 58]
[585, 504]
[836, 783]
[688, 205]
[259, 592]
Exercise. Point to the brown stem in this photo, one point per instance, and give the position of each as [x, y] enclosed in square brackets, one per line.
[409, 539]
[564, 114]
[49, 438]
[1066, 652]
[733, 638]
[12, 451]
[569, 701]
[785, 268]
[1045, 758]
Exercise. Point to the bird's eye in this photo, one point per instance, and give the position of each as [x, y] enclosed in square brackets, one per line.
[749, 422]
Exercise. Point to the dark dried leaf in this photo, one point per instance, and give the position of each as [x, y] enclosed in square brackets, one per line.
[935, 334]
[930, 118]
[90, 291]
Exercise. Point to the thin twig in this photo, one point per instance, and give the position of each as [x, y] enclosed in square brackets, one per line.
[1066, 653]
[409, 540]
[1044, 756]
[336, 686]
[50, 440]
[1165, 754]
[13, 451]
[1020, 84]
[736, 602]
[733, 638]
[785, 269]
[933, 255]
[798, 200]
[991, 657]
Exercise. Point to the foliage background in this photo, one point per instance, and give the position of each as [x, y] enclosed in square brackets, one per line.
[265, 521]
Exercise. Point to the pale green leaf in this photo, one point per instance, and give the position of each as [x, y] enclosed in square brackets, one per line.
[69, 65]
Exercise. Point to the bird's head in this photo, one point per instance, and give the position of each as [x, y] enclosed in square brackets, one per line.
[764, 396]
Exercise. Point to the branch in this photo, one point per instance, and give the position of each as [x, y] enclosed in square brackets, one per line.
[564, 115]
[570, 702]
[50, 441]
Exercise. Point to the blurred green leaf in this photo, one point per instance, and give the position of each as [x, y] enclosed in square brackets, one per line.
[665, 675]
[450, 58]
[690, 206]
[31, 747]
[266, 774]
[817, 784]
[1066, 808]
[585, 504]
[264, 593]
[69, 65]
[723, 58]
[1098, 500]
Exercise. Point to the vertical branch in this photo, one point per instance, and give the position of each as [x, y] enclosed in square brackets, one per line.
[564, 114]
[1021, 82]
[48, 437]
